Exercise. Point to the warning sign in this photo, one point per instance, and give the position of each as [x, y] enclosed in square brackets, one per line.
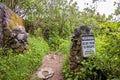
[88, 45]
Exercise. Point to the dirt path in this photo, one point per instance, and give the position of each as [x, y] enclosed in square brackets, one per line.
[50, 69]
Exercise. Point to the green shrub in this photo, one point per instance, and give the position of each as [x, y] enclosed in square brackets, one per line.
[20, 67]
[104, 65]
[64, 46]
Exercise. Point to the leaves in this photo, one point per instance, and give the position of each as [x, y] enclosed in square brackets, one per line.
[20, 67]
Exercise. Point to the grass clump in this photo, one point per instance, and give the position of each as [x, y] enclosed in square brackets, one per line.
[20, 67]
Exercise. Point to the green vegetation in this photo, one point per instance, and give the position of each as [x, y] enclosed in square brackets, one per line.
[102, 65]
[52, 24]
[22, 66]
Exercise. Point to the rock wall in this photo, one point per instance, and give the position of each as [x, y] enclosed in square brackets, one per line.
[76, 55]
[1, 26]
[12, 31]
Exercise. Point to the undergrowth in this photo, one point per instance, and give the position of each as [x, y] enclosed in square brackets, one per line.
[20, 67]
[104, 65]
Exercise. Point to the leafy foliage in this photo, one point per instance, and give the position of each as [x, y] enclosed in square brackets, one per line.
[55, 20]
[105, 64]
[20, 67]
[64, 46]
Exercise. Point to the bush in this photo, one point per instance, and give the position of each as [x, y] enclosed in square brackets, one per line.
[104, 65]
[64, 46]
[20, 67]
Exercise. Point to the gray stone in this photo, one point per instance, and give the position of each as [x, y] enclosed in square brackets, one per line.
[76, 48]
[16, 44]
[73, 65]
[45, 73]
[13, 34]
[1, 6]
[1, 19]
[20, 36]
[20, 28]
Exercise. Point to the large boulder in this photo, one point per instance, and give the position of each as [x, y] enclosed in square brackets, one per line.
[12, 31]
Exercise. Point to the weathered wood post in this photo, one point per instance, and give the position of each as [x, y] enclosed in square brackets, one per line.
[82, 44]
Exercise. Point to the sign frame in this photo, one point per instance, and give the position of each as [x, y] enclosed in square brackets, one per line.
[88, 45]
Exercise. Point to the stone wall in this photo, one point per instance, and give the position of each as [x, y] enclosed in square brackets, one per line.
[76, 55]
[1, 25]
[12, 31]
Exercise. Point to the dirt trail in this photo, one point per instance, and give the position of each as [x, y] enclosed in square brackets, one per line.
[51, 68]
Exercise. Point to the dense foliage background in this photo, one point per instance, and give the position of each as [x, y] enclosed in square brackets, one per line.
[52, 23]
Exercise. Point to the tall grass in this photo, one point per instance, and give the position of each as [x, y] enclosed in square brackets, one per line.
[20, 67]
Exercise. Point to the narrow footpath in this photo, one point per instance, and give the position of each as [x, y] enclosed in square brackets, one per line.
[51, 68]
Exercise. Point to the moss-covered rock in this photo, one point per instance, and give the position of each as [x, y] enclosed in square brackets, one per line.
[12, 31]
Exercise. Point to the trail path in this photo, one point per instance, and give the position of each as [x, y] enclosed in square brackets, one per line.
[51, 68]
